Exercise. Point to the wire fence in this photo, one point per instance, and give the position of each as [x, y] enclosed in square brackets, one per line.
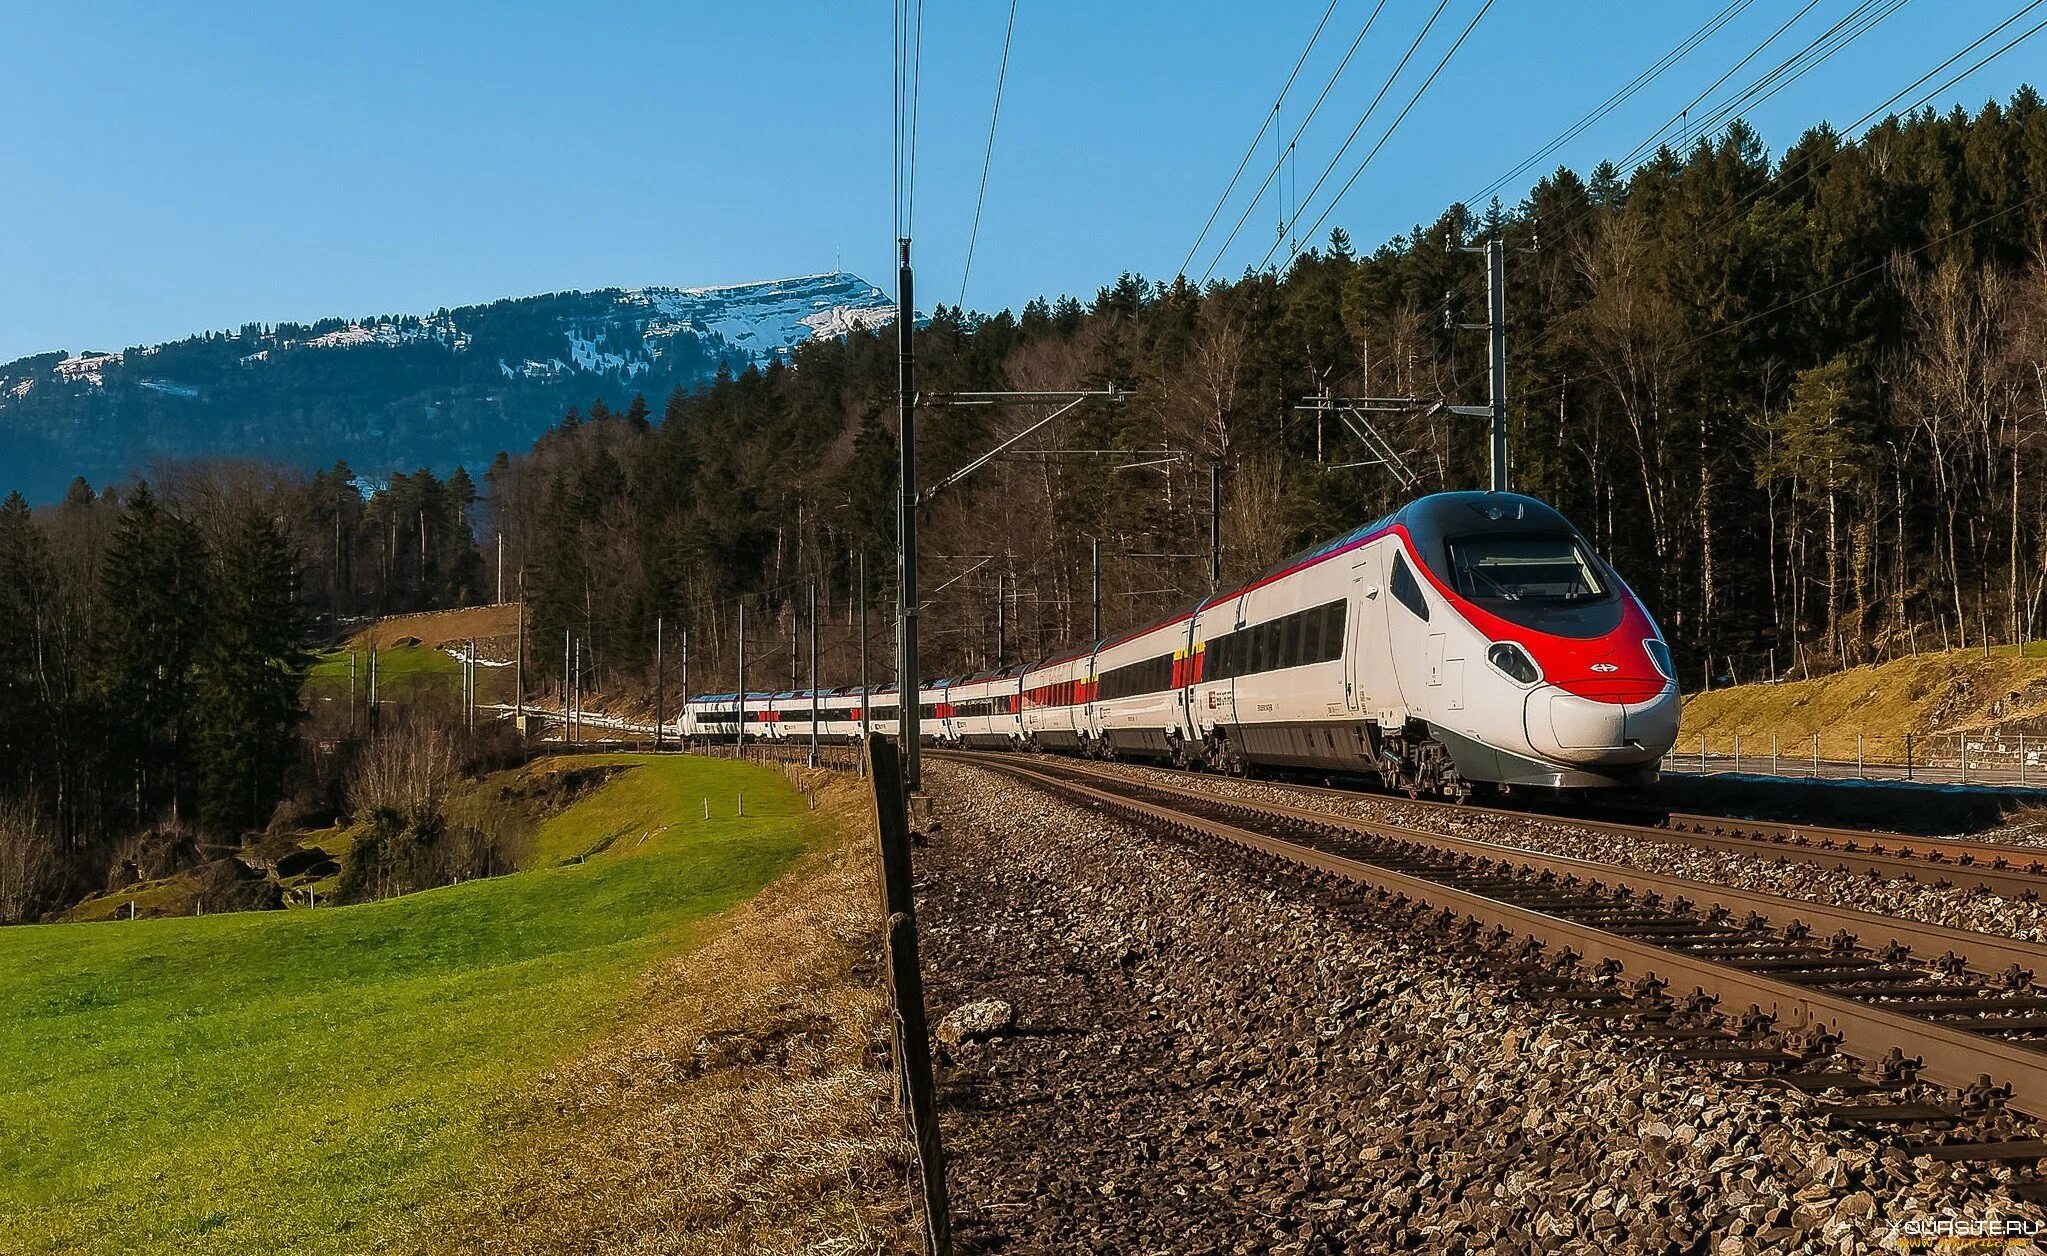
[1978, 758]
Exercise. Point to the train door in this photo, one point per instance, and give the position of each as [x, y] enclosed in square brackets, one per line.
[1370, 683]
[1180, 718]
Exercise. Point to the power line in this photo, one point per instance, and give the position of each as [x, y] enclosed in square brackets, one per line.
[1683, 114]
[1747, 99]
[1292, 144]
[1001, 77]
[1252, 148]
[1412, 102]
[1712, 27]
[1782, 75]
[909, 48]
[1809, 167]
[916, 99]
[1385, 87]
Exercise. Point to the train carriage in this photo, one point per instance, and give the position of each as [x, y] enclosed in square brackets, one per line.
[1138, 701]
[1055, 696]
[986, 710]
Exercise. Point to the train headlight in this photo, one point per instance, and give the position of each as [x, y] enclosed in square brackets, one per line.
[1514, 661]
[1659, 654]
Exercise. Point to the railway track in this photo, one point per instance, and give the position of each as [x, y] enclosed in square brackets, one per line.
[1903, 999]
[2008, 869]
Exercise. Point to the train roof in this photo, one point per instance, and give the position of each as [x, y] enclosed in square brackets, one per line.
[1177, 617]
[1427, 519]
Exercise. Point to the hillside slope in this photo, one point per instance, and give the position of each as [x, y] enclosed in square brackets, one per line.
[308, 1080]
[1944, 692]
[397, 392]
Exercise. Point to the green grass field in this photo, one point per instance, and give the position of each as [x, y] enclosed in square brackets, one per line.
[402, 672]
[307, 1080]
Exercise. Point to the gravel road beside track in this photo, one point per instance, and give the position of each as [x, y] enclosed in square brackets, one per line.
[1216, 1053]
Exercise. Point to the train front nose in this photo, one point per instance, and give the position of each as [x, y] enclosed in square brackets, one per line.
[1622, 728]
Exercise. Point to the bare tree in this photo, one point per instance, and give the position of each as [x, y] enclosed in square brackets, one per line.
[407, 768]
[1948, 385]
[28, 861]
[1629, 327]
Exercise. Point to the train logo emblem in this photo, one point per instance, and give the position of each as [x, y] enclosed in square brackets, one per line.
[1604, 667]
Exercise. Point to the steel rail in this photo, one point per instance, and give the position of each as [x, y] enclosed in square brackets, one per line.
[1953, 1056]
[2005, 868]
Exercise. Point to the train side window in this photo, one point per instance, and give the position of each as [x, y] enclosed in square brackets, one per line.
[1332, 629]
[1407, 590]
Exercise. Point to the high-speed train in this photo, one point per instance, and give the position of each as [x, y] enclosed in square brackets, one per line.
[1465, 640]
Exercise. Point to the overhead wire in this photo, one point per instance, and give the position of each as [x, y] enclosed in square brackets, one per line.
[1366, 117]
[988, 157]
[1395, 126]
[1293, 143]
[1784, 75]
[916, 99]
[1251, 150]
[1809, 167]
[1682, 116]
[1620, 97]
[1867, 13]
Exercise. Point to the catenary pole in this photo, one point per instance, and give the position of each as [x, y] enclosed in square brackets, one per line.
[864, 695]
[813, 673]
[1215, 528]
[908, 688]
[568, 652]
[1096, 550]
[660, 681]
[740, 740]
[1496, 311]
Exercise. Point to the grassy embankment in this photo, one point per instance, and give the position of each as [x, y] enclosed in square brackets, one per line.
[311, 1080]
[413, 658]
[1933, 695]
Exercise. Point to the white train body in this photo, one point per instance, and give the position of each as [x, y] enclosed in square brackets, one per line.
[1465, 639]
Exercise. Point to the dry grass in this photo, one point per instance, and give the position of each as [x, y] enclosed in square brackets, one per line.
[1935, 693]
[749, 1110]
[440, 628]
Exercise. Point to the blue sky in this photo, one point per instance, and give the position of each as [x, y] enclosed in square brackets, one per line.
[173, 168]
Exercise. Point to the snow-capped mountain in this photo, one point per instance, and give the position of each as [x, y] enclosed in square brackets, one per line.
[401, 391]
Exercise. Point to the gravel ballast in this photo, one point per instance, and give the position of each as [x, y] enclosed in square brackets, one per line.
[1215, 1052]
[1954, 907]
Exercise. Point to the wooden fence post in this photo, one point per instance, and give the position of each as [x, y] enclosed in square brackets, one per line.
[915, 1086]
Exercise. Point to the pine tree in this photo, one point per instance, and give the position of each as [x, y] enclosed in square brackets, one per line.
[151, 612]
[26, 586]
[250, 670]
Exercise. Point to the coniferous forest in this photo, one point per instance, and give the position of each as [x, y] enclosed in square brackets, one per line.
[1799, 401]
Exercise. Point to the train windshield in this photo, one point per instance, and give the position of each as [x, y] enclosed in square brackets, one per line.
[1543, 570]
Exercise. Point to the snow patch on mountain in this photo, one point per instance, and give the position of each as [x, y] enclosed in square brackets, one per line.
[390, 332]
[767, 319]
[87, 368]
